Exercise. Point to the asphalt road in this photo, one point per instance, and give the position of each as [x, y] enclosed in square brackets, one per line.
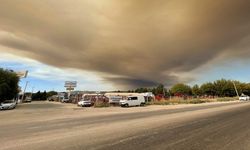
[207, 127]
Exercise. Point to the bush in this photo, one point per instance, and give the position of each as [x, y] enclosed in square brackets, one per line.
[196, 101]
[101, 104]
[226, 99]
[177, 101]
[190, 101]
[162, 102]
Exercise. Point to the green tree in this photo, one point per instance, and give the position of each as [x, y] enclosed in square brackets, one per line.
[43, 96]
[51, 93]
[36, 96]
[224, 88]
[8, 85]
[160, 89]
[196, 90]
[181, 89]
[245, 89]
[141, 90]
[208, 89]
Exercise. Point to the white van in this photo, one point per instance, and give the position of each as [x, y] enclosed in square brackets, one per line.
[138, 100]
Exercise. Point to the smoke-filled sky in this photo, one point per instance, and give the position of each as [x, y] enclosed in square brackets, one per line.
[128, 43]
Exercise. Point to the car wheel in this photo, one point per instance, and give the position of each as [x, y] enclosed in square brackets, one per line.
[142, 104]
[126, 105]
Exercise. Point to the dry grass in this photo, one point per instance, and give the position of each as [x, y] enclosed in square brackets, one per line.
[101, 105]
[190, 101]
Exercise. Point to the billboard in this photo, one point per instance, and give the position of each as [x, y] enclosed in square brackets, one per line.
[70, 84]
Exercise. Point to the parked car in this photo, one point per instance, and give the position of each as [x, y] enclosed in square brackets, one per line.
[133, 101]
[27, 100]
[64, 99]
[53, 98]
[8, 105]
[244, 98]
[84, 103]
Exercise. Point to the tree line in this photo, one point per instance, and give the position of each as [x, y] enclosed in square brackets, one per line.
[220, 88]
[40, 96]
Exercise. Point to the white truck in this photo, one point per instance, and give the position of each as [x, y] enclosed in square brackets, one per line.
[137, 100]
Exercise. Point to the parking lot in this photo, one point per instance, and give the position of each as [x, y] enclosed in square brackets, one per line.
[53, 125]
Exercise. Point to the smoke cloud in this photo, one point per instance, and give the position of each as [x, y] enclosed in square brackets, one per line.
[128, 43]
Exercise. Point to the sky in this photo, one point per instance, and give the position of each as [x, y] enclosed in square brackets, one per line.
[119, 45]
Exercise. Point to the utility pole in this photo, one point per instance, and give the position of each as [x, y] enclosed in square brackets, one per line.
[24, 90]
[236, 89]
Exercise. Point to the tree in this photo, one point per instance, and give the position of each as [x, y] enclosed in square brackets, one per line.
[181, 89]
[224, 88]
[141, 90]
[51, 93]
[208, 89]
[36, 96]
[246, 89]
[43, 96]
[8, 85]
[160, 90]
[243, 88]
[196, 90]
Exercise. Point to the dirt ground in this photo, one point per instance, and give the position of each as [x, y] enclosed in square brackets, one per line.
[44, 110]
[52, 125]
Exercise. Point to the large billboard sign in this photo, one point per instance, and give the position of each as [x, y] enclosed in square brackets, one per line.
[70, 84]
[22, 74]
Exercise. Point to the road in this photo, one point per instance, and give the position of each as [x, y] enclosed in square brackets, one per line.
[43, 125]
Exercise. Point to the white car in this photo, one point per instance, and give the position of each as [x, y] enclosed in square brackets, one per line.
[28, 100]
[8, 105]
[244, 98]
[138, 100]
[64, 99]
[83, 103]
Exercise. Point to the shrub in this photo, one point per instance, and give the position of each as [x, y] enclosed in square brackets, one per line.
[101, 104]
[177, 101]
[226, 99]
